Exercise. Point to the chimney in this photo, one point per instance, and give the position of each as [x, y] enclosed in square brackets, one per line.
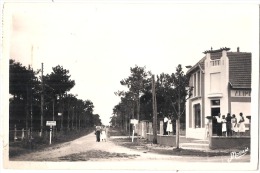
[237, 49]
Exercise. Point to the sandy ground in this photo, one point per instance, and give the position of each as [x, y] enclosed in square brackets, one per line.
[87, 149]
[86, 154]
[87, 145]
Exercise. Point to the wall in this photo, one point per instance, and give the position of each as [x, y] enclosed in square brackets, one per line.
[222, 94]
[163, 140]
[197, 133]
[241, 142]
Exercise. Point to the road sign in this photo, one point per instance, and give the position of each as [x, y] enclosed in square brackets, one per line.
[50, 123]
[134, 121]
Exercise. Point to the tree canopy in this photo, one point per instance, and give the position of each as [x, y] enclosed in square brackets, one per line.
[25, 103]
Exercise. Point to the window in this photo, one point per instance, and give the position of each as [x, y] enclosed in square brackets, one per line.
[215, 82]
[199, 85]
[215, 102]
[215, 62]
[195, 85]
[197, 113]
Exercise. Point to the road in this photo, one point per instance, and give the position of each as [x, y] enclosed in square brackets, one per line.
[87, 150]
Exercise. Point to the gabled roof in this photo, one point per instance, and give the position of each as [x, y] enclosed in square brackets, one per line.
[240, 65]
[200, 64]
[240, 69]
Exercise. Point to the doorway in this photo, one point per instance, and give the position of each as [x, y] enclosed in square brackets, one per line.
[214, 112]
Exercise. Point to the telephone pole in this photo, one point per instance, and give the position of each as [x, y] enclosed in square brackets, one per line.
[42, 100]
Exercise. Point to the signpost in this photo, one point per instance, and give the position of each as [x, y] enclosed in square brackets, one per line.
[134, 122]
[50, 123]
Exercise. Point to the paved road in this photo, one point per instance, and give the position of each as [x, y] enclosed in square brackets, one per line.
[88, 150]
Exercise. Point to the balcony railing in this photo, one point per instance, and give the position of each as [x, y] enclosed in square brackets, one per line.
[215, 62]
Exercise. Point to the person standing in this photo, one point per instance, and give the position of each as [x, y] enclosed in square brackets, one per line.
[97, 132]
[224, 126]
[103, 135]
[234, 125]
[219, 125]
[229, 125]
[169, 126]
[241, 122]
[165, 121]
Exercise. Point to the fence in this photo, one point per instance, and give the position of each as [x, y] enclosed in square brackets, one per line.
[146, 127]
[16, 134]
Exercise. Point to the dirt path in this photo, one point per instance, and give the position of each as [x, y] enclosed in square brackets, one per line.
[86, 148]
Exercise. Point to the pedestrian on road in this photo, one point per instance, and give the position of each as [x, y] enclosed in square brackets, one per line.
[234, 125]
[229, 125]
[241, 128]
[97, 132]
[169, 126]
[165, 121]
[103, 134]
[107, 129]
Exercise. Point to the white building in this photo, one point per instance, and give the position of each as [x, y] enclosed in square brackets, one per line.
[222, 84]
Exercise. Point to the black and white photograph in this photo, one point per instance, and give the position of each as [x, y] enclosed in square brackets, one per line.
[130, 85]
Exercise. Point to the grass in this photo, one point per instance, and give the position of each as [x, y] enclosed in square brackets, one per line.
[94, 154]
[145, 146]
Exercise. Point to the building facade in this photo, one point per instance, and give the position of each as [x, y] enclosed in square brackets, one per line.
[221, 83]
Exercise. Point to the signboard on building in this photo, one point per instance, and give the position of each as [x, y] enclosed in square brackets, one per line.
[50, 123]
[240, 93]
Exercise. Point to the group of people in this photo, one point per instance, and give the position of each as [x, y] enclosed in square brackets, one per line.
[101, 133]
[230, 125]
[167, 125]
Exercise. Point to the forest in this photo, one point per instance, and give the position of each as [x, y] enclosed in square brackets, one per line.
[35, 98]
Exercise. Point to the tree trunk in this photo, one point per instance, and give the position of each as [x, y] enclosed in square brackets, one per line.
[42, 100]
[178, 124]
[178, 133]
[126, 126]
[68, 120]
[72, 120]
[27, 112]
[76, 119]
[154, 113]
[138, 107]
[62, 114]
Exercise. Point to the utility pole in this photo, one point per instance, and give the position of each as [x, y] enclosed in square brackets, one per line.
[154, 112]
[42, 100]
[27, 111]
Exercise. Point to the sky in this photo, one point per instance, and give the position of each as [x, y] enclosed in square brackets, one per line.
[98, 42]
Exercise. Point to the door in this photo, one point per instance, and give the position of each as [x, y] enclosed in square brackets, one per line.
[214, 112]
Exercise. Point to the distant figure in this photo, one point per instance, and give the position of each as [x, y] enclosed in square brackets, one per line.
[107, 131]
[103, 136]
[169, 126]
[219, 125]
[224, 125]
[234, 125]
[165, 121]
[97, 132]
[241, 122]
[229, 125]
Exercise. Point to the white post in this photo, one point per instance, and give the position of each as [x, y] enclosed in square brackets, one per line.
[22, 133]
[15, 133]
[133, 133]
[50, 133]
